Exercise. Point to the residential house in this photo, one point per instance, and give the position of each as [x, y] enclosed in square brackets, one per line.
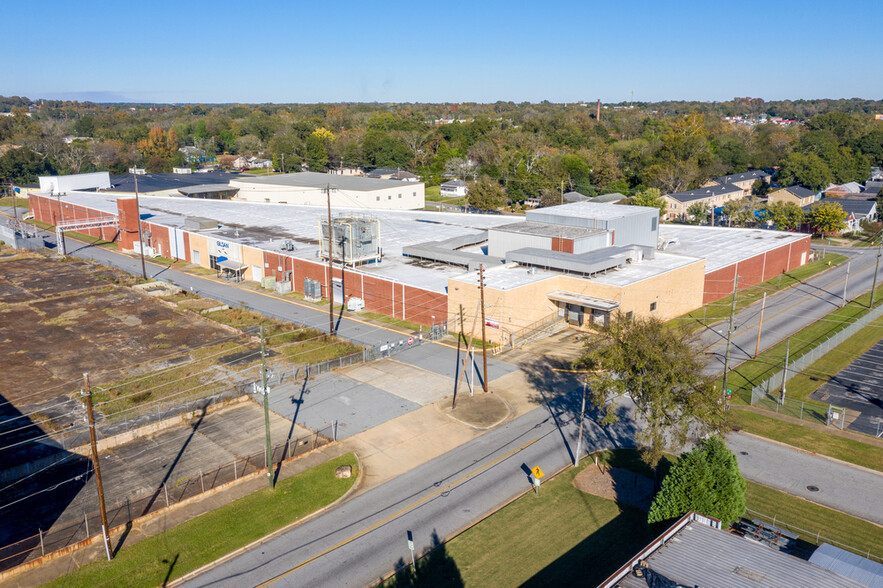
[712, 196]
[841, 190]
[382, 173]
[872, 188]
[248, 162]
[404, 176]
[856, 210]
[744, 181]
[453, 188]
[193, 154]
[797, 194]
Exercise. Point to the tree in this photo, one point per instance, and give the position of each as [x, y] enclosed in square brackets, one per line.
[159, 144]
[22, 166]
[705, 480]
[662, 372]
[486, 194]
[785, 215]
[650, 197]
[697, 212]
[828, 218]
[805, 169]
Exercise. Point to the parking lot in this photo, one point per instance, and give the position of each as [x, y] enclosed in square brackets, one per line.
[859, 387]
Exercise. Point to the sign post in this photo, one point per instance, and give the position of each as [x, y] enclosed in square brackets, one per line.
[537, 474]
[411, 547]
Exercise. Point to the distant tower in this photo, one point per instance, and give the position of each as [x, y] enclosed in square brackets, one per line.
[598, 111]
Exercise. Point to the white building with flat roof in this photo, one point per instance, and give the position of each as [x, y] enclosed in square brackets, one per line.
[309, 189]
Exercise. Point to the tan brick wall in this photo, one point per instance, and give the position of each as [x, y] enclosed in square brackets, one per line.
[675, 292]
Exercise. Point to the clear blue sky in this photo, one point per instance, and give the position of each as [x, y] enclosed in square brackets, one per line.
[452, 51]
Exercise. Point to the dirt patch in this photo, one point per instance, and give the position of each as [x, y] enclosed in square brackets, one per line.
[63, 321]
[481, 410]
[616, 484]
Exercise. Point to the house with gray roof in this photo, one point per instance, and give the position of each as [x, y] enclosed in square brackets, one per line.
[712, 196]
[744, 180]
[856, 211]
[796, 194]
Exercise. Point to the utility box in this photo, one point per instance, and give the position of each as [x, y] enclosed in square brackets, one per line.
[312, 290]
[354, 240]
[283, 287]
[268, 282]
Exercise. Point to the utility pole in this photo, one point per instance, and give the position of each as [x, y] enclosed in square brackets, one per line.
[582, 416]
[330, 268]
[138, 215]
[785, 371]
[760, 326]
[63, 244]
[283, 163]
[876, 269]
[266, 409]
[97, 466]
[730, 334]
[483, 338]
[845, 282]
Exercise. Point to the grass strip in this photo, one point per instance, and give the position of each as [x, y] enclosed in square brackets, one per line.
[199, 541]
[809, 439]
[720, 309]
[811, 520]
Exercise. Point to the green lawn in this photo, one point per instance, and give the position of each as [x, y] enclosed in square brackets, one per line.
[720, 309]
[809, 520]
[197, 542]
[21, 203]
[863, 454]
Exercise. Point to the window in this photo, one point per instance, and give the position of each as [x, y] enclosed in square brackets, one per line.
[652, 306]
[378, 199]
[389, 197]
[654, 223]
[400, 195]
[415, 194]
[266, 199]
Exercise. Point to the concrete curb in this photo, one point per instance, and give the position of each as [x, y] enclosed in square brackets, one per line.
[808, 452]
[233, 554]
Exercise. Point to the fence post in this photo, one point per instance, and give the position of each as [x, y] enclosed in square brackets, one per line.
[166, 491]
[201, 481]
[86, 518]
[42, 548]
[817, 536]
[774, 520]
[801, 410]
[235, 476]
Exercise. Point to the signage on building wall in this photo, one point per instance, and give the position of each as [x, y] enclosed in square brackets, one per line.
[220, 248]
[492, 323]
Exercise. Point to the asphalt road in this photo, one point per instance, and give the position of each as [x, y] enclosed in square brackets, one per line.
[789, 311]
[852, 490]
[366, 537]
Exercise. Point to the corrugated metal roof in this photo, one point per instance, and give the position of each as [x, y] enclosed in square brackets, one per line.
[701, 556]
[849, 565]
[317, 180]
[549, 230]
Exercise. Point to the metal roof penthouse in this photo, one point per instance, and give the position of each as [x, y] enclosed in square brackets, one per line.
[627, 225]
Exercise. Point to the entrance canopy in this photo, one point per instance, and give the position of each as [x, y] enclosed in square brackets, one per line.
[585, 301]
[229, 264]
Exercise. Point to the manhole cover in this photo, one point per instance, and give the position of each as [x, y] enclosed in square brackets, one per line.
[812, 488]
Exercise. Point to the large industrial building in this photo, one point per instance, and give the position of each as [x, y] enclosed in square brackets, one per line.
[310, 188]
[580, 261]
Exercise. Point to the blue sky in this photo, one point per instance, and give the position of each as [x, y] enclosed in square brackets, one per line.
[440, 52]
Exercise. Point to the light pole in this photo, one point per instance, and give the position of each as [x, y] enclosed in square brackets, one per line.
[138, 216]
[582, 416]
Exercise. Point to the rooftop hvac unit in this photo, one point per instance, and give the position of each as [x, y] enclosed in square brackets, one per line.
[354, 240]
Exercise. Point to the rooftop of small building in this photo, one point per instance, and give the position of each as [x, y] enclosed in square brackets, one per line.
[318, 180]
[550, 230]
[699, 555]
[706, 192]
[721, 246]
[591, 210]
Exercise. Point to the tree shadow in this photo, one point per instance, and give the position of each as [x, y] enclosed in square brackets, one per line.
[435, 568]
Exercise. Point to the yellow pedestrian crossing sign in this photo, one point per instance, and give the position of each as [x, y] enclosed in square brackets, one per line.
[537, 472]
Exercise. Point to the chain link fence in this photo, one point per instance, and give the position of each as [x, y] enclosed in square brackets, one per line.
[814, 537]
[168, 494]
[765, 390]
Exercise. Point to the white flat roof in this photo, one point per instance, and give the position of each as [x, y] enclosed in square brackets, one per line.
[266, 226]
[722, 247]
[588, 209]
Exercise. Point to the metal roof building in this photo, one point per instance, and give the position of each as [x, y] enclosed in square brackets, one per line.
[693, 553]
